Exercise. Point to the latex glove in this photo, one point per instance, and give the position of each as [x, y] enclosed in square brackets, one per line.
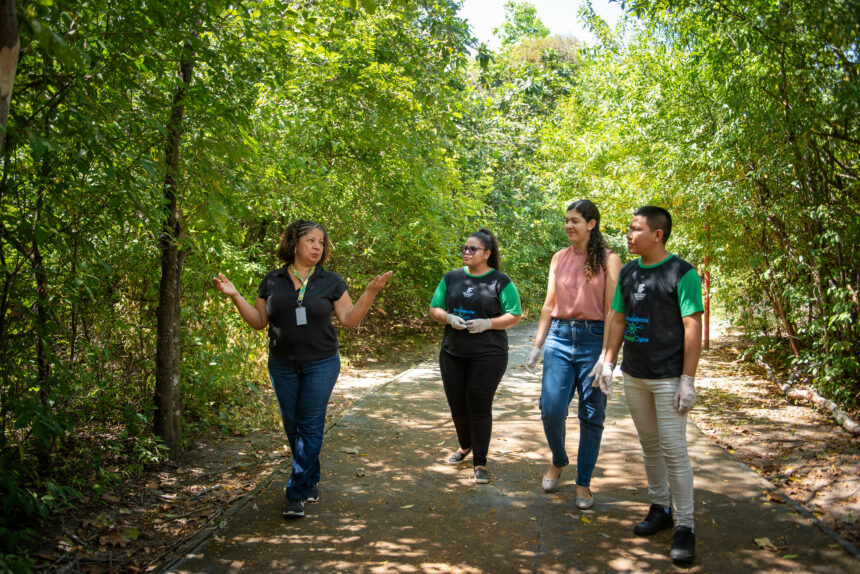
[531, 362]
[602, 373]
[685, 398]
[455, 321]
[478, 325]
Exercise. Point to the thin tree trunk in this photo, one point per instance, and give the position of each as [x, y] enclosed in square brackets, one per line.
[10, 46]
[42, 347]
[776, 299]
[168, 358]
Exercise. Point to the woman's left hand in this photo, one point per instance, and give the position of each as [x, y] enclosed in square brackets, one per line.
[478, 325]
[378, 282]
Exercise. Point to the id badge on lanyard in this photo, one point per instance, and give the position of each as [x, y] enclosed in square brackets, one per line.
[301, 316]
[301, 312]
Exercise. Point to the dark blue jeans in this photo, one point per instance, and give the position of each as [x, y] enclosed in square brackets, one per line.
[303, 389]
[572, 348]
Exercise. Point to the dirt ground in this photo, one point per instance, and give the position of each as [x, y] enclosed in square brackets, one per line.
[153, 515]
[796, 447]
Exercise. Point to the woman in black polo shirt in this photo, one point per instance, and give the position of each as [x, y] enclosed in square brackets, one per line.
[476, 303]
[296, 303]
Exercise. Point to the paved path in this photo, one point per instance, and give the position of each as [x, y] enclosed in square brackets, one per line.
[397, 507]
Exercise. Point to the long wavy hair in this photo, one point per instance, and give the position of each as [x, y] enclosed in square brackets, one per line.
[595, 258]
[291, 236]
[488, 240]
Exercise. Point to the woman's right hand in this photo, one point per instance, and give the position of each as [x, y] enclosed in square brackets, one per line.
[455, 321]
[532, 360]
[222, 284]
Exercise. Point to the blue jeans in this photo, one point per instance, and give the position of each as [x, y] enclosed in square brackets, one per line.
[303, 389]
[572, 348]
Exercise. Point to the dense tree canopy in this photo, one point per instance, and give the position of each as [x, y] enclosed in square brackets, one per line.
[200, 129]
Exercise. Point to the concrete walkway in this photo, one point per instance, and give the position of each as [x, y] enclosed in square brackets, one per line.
[396, 506]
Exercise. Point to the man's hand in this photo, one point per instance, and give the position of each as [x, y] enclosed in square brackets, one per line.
[455, 321]
[531, 362]
[685, 398]
[602, 373]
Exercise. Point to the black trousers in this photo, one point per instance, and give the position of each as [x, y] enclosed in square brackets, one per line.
[470, 385]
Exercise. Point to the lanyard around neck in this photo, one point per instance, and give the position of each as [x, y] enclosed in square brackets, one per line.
[303, 281]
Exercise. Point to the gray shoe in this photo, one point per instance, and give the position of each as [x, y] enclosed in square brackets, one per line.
[583, 503]
[549, 484]
[482, 476]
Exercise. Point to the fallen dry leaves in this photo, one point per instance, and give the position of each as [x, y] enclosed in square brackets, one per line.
[795, 446]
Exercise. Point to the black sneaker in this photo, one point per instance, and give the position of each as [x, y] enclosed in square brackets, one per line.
[314, 494]
[658, 519]
[294, 508]
[683, 545]
[458, 456]
[482, 476]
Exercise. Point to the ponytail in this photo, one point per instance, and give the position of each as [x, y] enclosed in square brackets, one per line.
[489, 242]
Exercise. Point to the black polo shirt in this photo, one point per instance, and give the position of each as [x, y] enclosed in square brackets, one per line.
[311, 342]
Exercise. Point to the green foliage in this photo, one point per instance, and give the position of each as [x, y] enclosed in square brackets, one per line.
[351, 115]
[15, 563]
[523, 86]
[521, 21]
[741, 119]
[367, 116]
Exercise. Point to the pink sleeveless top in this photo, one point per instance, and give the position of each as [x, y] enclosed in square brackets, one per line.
[575, 296]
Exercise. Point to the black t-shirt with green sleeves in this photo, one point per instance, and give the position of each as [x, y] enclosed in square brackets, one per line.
[654, 300]
[287, 340]
[476, 297]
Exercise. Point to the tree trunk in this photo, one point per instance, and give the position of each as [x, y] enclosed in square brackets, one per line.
[168, 357]
[10, 45]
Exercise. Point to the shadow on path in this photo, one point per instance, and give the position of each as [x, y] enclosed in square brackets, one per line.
[397, 507]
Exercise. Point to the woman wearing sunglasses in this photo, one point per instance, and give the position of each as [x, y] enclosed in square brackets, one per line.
[476, 303]
[579, 294]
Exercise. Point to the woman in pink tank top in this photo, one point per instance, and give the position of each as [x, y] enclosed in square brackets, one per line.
[578, 300]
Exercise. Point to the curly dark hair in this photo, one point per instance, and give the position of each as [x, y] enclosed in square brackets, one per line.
[486, 237]
[290, 240]
[595, 258]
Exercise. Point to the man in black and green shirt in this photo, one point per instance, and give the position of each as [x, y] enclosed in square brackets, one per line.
[658, 306]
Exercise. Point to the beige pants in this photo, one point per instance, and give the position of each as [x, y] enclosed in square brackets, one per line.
[663, 436]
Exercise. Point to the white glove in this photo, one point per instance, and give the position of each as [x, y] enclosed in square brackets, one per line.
[478, 325]
[685, 398]
[455, 321]
[602, 373]
[531, 362]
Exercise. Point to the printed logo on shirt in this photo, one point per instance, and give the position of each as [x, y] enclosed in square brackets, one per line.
[469, 292]
[635, 329]
[640, 292]
[463, 313]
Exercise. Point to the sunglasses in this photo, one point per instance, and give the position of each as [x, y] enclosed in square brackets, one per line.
[471, 249]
